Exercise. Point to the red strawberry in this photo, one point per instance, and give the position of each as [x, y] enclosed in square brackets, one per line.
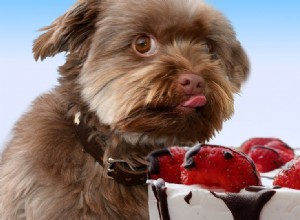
[268, 153]
[286, 153]
[289, 176]
[219, 167]
[166, 164]
[247, 145]
[265, 159]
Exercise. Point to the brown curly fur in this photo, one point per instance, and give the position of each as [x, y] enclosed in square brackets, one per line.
[43, 172]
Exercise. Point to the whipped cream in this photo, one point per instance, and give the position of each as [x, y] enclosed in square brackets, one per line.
[178, 202]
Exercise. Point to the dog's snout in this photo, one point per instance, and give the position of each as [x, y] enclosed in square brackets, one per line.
[191, 84]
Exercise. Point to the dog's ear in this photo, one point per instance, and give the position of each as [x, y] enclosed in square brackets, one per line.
[237, 64]
[232, 57]
[226, 47]
[72, 32]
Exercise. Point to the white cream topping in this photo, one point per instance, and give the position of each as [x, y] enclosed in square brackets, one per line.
[284, 204]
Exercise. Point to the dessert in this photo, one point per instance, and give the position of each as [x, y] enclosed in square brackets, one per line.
[178, 202]
[268, 153]
[262, 202]
[258, 141]
[219, 167]
[166, 164]
[289, 176]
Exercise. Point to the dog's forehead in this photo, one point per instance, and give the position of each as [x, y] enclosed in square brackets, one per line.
[188, 6]
[156, 12]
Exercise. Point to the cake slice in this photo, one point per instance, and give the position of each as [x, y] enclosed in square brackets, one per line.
[198, 201]
[169, 201]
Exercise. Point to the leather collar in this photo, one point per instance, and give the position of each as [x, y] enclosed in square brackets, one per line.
[95, 146]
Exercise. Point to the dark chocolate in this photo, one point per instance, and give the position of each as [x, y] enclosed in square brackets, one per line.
[259, 188]
[266, 148]
[246, 206]
[188, 160]
[157, 200]
[159, 191]
[228, 155]
[255, 188]
[255, 172]
[188, 197]
[152, 158]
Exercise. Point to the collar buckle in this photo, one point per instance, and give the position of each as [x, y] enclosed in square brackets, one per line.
[121, 172]
[109, 167]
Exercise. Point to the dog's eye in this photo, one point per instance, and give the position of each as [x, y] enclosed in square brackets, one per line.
[206, 48]
[145, 45]
[214, 56]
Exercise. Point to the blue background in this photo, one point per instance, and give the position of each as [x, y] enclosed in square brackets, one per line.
[268, 105]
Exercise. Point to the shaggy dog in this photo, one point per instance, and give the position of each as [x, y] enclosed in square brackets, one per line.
[139, 75]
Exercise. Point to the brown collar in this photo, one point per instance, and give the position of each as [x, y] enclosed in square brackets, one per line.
[116, 169]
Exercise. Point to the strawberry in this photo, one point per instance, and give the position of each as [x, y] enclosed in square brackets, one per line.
[247, 145]
[286, 153]
[219, 167]
[268, 153]
[166, 164]
[289, 176]
[265, 159]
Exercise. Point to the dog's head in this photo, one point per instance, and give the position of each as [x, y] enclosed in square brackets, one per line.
[159, 69]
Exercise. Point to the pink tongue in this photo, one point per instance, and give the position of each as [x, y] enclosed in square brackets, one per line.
[195, 101]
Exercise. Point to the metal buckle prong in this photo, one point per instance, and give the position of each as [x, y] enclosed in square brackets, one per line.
[108, 166]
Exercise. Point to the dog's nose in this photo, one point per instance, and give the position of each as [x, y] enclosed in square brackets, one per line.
[192, 84]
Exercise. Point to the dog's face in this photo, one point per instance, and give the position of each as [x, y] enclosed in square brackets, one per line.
[164, 69]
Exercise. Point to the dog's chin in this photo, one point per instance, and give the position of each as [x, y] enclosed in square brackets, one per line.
[178, 125]
[187, 111]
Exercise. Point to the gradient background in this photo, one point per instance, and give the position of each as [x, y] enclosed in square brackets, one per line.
[269, 104]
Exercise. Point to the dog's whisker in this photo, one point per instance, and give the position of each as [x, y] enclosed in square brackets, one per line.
[167, 74]
[143, 87]
[109, 82]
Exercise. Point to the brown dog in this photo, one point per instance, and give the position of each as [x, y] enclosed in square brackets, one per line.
[140, 75]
